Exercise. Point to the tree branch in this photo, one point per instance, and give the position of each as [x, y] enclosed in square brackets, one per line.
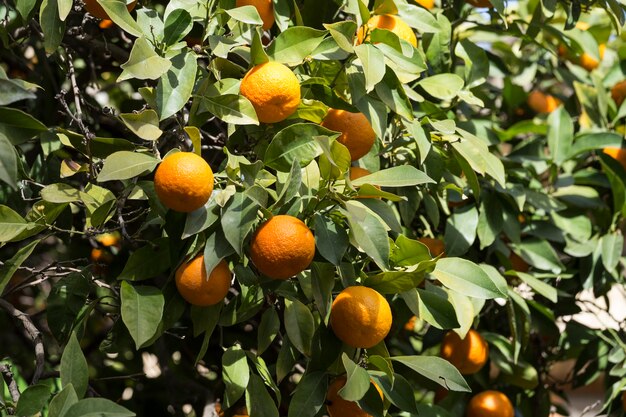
[32, 332]
[5, 370]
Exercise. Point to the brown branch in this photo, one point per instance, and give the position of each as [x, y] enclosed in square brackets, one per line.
[5, 370]
[33, 333]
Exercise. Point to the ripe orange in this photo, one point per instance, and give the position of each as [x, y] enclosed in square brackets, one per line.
[490, 404]
[183, 182]
[617, 153]
[101, 256]
[360, 317]
[282, 247]
[273, 90]
[588, 62]
[194, 286]
[468, 355]
[435, 246]
[339, 407]
[389, 22]
[480, 3]
[542, 103]
[356, 131]
[106, 24]
[618, 92]
[265, 9]
[517, 263]
[109, 239]
[94, 8]
[409, 326]
[428, 4]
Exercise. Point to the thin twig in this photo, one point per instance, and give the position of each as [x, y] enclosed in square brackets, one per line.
[33, 333]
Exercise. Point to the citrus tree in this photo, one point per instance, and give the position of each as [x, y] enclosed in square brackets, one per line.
[310, 207]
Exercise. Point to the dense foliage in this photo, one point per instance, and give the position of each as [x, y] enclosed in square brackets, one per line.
[529, 208]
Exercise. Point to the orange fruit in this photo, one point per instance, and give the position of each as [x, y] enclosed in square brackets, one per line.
[427, 4]
[339, 407]
[588, 62]
[273, 90]
[617, 153]
[618, 92]
[490, 404]
[183, 182]
[265, 9]
[480, 3]
[109, 239]
[542, 103]
[356, 131]
[194, 286]
[282, 247]
[106, 23]
[435, 246]
[468, 355]
[360, 317]
[518, 263]
[94, 8]
[389, 22]
[101, 256]
[409, 326]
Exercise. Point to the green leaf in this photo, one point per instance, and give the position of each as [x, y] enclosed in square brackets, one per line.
[32, 400]
[148, 261]
[144, 124]
[539, 286]
[11, 266]
[11, 224]
[296, 142]
[295, 44]
[205, 319]
[460, 231]
[476, 152]
[201, 219]
[73, 368]
[231, 108]
[8, 163]
[216, 248]
[309, 396]
[97, 407]
[373, 62]
[176, 85]
[435, 308]
[119, 14]
[124, 165]
[237, 220]
[437, 370]
[51, 25]
[560, 135]
[467, 278]
[18, 126]
[331, 239]
[268, 329]
[142, 311]
[395, 282]
[442, 86]
[399, 392]
[11, 91]
[587, 142]
[398, 176]
[368, 233]
[391, 92]
[540, 254]
[299, 325]
[357, 380]
[235, 373]
[343, 34]
[612, 246]
[177, 24]
[65, 6]
[258, 400]
[245, 14]
[25, 8]
[143, 63]
[408, 252]
[65, 304]
[62, 401]
[60, 193]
